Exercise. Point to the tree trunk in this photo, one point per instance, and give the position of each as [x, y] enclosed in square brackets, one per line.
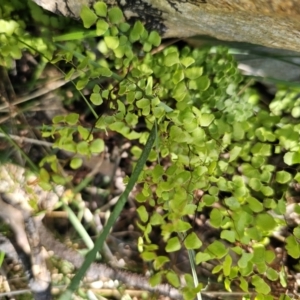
[271, 23]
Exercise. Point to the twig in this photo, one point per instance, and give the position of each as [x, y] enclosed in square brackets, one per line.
[100, 270]
[25, 139]
[15, 293]
[52, 86]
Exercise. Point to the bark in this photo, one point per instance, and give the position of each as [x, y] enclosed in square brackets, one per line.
[271, 23]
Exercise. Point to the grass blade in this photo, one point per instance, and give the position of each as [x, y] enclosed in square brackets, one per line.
[91, 256]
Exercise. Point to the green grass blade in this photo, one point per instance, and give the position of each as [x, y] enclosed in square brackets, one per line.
[90, 257]
[276, 81]
[76, 35]
[2, 255]
[191, 255]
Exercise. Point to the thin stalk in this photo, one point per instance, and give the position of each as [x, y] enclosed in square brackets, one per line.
[79, 227]
[15, 145]
[93, 63]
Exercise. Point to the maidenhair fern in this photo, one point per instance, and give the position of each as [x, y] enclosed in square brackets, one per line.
[217, 138]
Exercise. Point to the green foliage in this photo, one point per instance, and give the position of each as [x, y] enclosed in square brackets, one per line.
[88, 16]
[15, 16]
[212, 130]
